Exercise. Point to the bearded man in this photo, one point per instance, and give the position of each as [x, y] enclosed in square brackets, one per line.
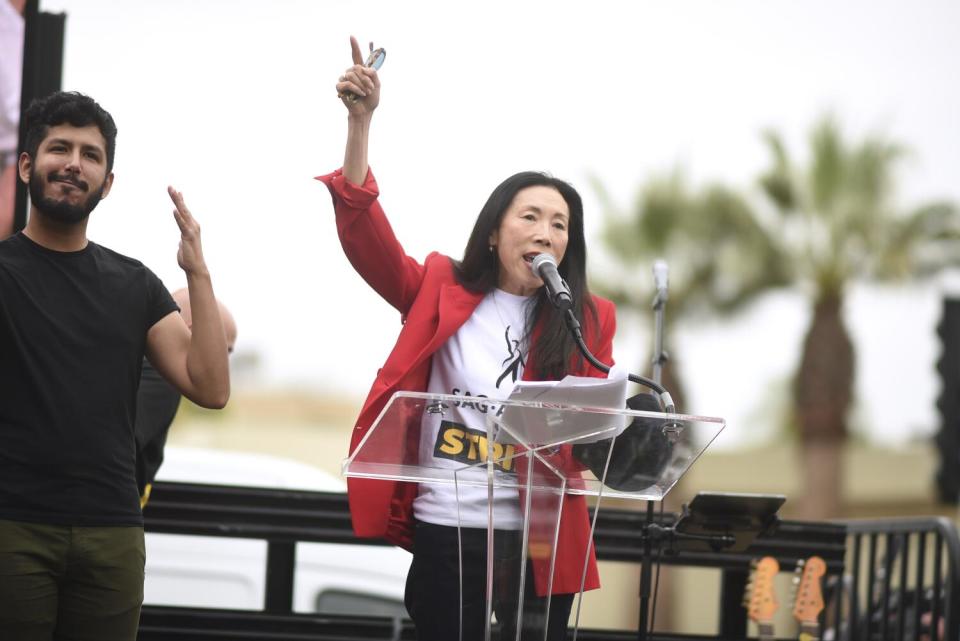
[76, 320]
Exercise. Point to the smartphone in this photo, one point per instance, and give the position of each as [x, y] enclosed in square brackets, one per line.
[374, 60]
[376, 57]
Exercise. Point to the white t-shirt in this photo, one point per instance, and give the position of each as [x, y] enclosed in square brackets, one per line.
[484, 359]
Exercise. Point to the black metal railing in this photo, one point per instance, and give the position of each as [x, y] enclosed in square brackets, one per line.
[902, 582]
[285, 517]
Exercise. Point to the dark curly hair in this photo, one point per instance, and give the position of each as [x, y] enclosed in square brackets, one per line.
[72, 108]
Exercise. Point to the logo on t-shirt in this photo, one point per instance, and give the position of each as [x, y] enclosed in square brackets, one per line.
[460, 443]
[514, 360]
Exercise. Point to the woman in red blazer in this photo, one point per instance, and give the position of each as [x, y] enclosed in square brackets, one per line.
[453, 315]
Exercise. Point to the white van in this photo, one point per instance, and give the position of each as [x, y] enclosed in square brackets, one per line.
[221, 572]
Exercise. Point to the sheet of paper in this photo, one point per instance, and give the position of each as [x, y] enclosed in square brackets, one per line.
[539, 426]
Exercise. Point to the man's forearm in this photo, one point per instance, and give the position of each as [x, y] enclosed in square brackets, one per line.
[207, 364]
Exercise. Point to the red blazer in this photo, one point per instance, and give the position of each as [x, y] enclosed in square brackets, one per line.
[433, 306]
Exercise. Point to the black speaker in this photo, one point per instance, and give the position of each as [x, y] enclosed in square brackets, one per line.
[948, 403]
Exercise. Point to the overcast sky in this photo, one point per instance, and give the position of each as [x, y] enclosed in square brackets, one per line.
[233, 102]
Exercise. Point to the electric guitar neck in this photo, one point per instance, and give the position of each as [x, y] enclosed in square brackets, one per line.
[760, 598]
[808, 603]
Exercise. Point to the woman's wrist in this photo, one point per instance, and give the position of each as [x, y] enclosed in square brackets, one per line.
[359, 120]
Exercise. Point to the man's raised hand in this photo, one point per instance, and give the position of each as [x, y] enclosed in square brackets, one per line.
[190, 253]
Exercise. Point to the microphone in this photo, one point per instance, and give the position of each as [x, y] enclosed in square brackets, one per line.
[660, 273]
[545, 267]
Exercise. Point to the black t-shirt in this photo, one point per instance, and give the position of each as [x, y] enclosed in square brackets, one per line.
[73, 331]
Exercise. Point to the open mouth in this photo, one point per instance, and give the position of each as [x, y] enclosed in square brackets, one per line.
[528, 259]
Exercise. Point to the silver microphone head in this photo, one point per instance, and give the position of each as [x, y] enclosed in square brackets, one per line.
[540, 260]
[661, 274]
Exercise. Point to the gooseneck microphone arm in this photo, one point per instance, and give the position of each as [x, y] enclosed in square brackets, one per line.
[558, 293]
[577, 332]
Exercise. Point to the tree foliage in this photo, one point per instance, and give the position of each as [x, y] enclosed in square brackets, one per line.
[817, 226]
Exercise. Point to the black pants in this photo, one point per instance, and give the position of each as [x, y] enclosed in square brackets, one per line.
[433, 588]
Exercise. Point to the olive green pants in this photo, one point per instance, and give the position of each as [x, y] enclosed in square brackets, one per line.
[70, 583]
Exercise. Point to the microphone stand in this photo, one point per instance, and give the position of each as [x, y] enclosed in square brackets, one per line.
[659, 354]
[651, 531]
[660, 533]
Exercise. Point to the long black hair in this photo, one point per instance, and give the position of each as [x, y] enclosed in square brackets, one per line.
[479, 271]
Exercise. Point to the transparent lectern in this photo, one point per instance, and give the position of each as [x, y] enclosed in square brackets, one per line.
[520, 488]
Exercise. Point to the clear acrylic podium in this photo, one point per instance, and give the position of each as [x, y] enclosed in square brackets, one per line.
[526, 478]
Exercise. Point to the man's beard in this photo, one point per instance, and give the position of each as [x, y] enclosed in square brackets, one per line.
[62, 211]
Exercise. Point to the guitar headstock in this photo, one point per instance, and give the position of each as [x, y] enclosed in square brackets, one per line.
[760, 599]
[809, 600]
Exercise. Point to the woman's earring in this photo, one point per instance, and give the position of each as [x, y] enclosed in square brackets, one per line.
[491, 248]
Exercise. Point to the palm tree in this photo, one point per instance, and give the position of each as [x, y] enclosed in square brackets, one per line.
[842, 225]
[818, 227]
[720, 256]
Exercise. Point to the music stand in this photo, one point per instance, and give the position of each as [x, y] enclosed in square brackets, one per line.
[726, 520]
